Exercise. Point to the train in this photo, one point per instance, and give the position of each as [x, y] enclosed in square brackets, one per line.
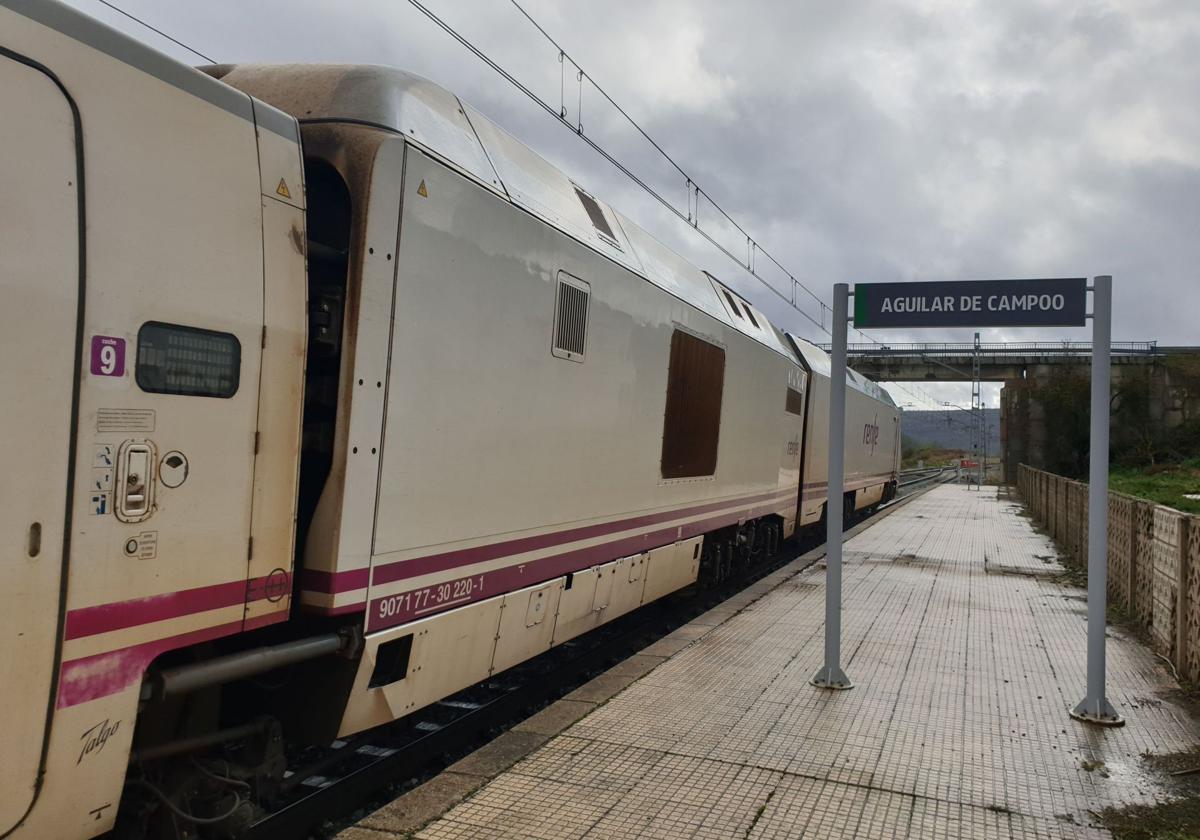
[336, 398]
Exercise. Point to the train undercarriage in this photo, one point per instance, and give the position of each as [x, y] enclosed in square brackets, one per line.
[213, 756]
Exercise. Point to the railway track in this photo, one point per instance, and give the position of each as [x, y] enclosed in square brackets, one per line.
[330, 788]
[910, 478]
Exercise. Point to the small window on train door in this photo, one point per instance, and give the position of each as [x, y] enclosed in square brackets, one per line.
[187, 361]
[692, 419]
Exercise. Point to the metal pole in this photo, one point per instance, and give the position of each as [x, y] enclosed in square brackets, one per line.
[1095, 708]
[831, 675]
[985, 441]
[977, 427]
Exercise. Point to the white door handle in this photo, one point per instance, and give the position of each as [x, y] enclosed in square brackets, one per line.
[134, 488]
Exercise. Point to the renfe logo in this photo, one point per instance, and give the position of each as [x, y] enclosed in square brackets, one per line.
[871, 434]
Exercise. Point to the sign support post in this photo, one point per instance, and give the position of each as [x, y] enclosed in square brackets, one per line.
[830, 674]
[1051, 302]
[1095, 708]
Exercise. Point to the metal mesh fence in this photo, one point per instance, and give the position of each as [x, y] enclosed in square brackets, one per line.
[1153, 558]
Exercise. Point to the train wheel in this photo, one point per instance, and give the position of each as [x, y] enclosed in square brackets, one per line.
[726, 559]
[710, 564]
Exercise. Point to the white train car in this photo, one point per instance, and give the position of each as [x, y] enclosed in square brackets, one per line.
[360, 333]
[548, 410]
[151, 230]
[872, 459]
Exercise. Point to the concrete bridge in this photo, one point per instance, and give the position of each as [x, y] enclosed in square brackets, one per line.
[1160, 384]
[998, 362]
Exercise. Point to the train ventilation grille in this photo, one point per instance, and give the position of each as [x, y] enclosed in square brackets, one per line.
[571, 318]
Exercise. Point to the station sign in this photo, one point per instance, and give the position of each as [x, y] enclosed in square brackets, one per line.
[1057, 302]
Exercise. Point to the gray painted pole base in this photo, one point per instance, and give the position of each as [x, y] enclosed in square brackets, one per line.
[1099, 712]
[831, 676]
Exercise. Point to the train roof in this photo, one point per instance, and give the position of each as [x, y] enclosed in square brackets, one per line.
[818, 362]
[457, 134]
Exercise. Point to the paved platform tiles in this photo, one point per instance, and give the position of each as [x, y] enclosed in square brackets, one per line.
[966, 654]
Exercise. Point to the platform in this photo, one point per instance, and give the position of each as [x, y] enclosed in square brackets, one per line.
[966, 649]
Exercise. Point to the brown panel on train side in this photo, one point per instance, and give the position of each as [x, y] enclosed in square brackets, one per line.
[692, 421]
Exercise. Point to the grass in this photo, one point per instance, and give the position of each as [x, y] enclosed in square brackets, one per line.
[1165, 484]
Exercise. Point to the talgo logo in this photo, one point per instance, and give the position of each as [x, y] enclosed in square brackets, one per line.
[871, 434]
[94, 739]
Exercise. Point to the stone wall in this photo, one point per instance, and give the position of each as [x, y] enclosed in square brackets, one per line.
[1148, 401]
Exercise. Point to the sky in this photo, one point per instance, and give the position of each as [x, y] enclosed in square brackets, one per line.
[873, 141]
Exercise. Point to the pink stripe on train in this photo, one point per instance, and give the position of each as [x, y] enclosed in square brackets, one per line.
[120, 615]
[497, 582]
[102, 674]
[330, 583]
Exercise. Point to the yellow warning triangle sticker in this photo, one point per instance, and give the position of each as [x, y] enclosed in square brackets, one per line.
[421, 191]
[282, 189]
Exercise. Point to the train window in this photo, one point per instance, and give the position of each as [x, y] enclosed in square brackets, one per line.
[733, 306]
[189, 361]
[596, 215]
[571, 317]
[692, 420]
[750, 314]
[795, 402]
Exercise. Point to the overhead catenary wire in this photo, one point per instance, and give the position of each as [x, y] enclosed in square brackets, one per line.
[752, 244]
[158, 31]
[695, 191]
[557, 114]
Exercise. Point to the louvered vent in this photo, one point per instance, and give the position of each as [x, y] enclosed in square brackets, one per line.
[571, 318]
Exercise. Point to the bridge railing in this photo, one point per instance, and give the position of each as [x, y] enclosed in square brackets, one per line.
[1006, 348]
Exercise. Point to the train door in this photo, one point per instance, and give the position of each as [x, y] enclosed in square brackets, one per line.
[895, 446]
[797, 411]
[40, 275]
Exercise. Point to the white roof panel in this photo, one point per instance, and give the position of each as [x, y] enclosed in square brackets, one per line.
[671, 272]
[541, 188]
[453, 131]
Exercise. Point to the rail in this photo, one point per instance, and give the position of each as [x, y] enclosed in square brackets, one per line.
[923, 474]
